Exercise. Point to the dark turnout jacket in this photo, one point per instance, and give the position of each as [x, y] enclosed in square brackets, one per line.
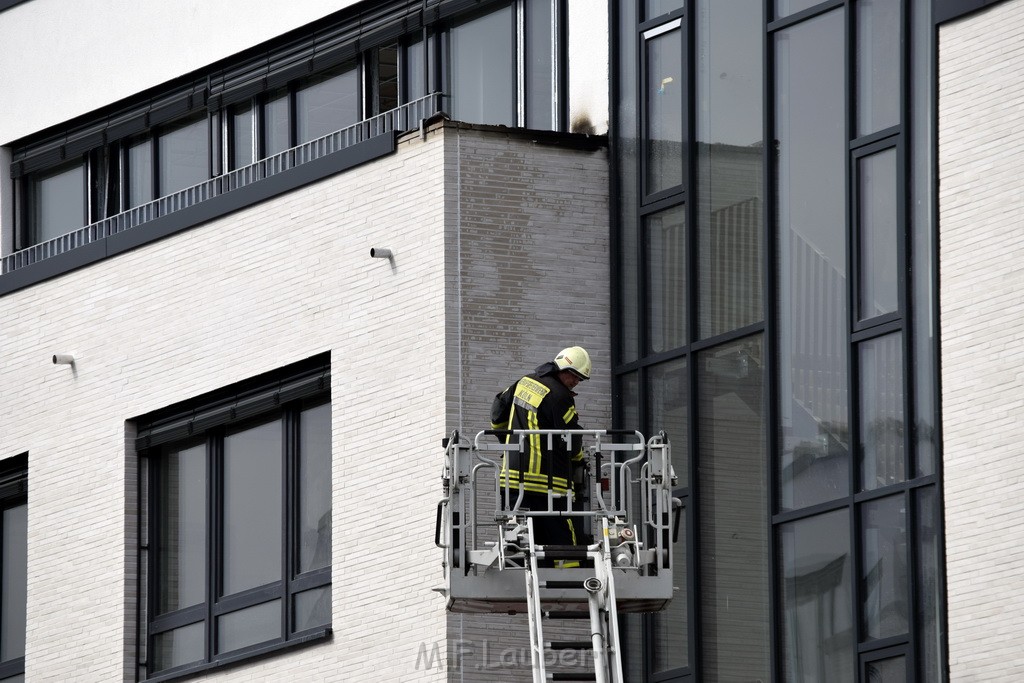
[539, 401]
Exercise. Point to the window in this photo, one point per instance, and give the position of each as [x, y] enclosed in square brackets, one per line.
[239, 532]
[13, 567]
[56, 202]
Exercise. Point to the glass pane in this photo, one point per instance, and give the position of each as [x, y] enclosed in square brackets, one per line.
[249, 626]
[181, 516]
[140, 173]
[415, 78]
[879, 234]
[20, 678]
[665, 234]
[313, 608]
[878, 65]
[734, 522]
[276, 123]
[669, 398]
[629, 401]
[58, 203]
[881, 411]
[655, 8]
[184, 157]
[884, 568]
[730, 153]
[626, 189]
[483, 86]
[816, 601]
[330, 101]
[632, 635]
[813, 347]
[384, 83]
[891, 670]
[540, 80]
[783, 8]
[929, 595]
[180, 646]
[587, 65]
[15, 583]
[252, 508]
[315, 488]
[670, 627]
[243, 150]
[664, 96]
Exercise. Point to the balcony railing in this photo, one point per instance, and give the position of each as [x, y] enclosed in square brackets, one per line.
[400, 119]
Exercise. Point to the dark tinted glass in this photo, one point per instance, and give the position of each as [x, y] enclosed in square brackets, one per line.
[928, 591]
[57, 203]
[783, 8]
[816, 600]
[884, 570]
[252, 508]
[668, 398]
[249, 626]
[181, 553]
[881, 411]
[276, 123]
[312, 608]
[890, 670]
[184, 156]
[14, 582]
[664, 87]
[629, 401]
[539, 64]
[384, 83]
[315, 488]
[665, 242]
[655, 8]
[415, 78]
[734, 542]
[330, 101]
[813, 327]
[178, 646]
[626, 189]
[483, 87]
[243, 151]
[140, 172]
[878, 232]
[730, 153]
[878, 65]
[671, 627]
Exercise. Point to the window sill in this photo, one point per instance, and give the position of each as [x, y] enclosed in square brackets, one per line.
[245, 656]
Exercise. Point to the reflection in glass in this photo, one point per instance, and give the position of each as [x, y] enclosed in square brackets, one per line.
[664, 96]
[276, 123]
[881, 411]
[315, 488]
[252, 508]
[671, 627]
[415, 85]
[140, 173]
[14, 583]
[179, 646]
[243, 151]
[540, 93]
[184, 156]
[668, 398]
[629, 401]
[626, 190]
[878, 65]
[878, 231]
[817, 607]
[730, 153]
[929, 594]
[249, 626]
[783, 8]
[665, 242]
[733, 509]
[655, 8]
[891, 670]
[330, 101]
[483, 81]
[181, 551]
[312, 609]
[813, 382]
[884, 571]
[58, 203]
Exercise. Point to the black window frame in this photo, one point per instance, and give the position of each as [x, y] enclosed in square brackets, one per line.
[210, 420]
[13, 492]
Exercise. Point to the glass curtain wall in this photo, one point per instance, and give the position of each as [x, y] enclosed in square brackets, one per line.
[766, 319]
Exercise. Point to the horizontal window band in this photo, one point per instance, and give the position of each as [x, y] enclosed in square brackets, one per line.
[203, 212]
[178, 618]
[249, 598]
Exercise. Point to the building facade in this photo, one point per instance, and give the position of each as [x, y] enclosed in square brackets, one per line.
[256, 263]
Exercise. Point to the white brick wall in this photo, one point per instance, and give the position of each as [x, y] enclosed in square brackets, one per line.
[269, 285]
[981, 154]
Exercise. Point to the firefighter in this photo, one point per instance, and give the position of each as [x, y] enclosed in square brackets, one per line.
[544, 399]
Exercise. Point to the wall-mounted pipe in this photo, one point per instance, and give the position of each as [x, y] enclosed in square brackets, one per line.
[381, 252]
[63, 359]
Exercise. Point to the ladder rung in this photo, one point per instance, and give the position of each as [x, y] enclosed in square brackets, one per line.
[562, 584]
[573, 677]
[563, 552]
[570, 645]
[567, 615]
